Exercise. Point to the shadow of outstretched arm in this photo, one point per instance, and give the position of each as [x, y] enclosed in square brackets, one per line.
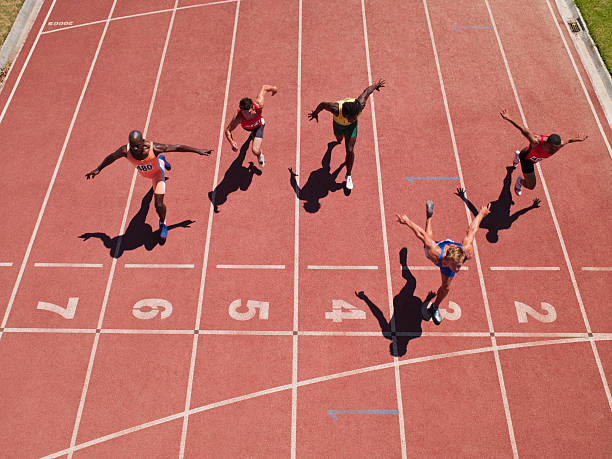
[294, 183]
[461, 193]
[105, 238]
[385, 327]
[518, 213]
[183, 224]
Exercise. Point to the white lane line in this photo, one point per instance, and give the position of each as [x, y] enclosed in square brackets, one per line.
[194, 349]
[296, 243]
[113, 331]
[159, 266]
[500, 375]
[555, 221]
[135, 16]
[273, 390]
[398, 384]
[121, 231]
[584, 89]
[340, 267]
[6, 264]
[368, 334]
[55, 171]
[68, 265]
[25, 64]
[597, 268]
[525, 268]
[428, 268]
[251, 266]
[49, 330]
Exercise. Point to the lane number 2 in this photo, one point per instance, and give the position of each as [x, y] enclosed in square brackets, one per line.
[523, 310]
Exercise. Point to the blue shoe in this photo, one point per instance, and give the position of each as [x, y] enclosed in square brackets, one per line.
[166, 163]
[163, 230]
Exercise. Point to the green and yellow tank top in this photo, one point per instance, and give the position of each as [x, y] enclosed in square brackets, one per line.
[340, 119]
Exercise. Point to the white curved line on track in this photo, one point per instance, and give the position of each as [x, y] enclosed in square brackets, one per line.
[148, 13]
[308, 382]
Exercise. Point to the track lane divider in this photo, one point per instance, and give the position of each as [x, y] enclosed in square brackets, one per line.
[121, 231]
[383, 222]
[500, 375]
[568, 262]
[55, 170]
[194, 350]
[25, 64]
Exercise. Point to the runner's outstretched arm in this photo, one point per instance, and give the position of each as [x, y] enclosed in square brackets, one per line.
[369, 90]
[266, 88]
[580, 138]
[331, 107]
[164, 148]
[473, 229]
[121, 152]
[532, 137]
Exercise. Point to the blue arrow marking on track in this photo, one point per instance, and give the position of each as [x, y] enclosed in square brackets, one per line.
[412, 179]
[333, 413]
[472, 27]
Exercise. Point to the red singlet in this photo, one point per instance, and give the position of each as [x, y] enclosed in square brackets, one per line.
[537, 153]
[253, 123]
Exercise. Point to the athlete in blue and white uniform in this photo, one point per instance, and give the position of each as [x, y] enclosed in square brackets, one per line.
[448, 255]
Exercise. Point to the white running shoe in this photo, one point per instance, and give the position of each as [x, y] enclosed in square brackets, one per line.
[517, 159]
[518, 186]
[435, 315]
[261, 160]
[349, 182]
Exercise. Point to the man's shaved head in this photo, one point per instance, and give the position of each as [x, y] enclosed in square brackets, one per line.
[135, 137]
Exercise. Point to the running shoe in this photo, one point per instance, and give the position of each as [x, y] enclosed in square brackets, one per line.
[517, 159]
[429, 208]
[166, 163]
[163, 230]
[435, 315]
[349, 182]
[261, 160]
[518, 186]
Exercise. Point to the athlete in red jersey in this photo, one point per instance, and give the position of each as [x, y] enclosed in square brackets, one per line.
[147, 158]
[249, 117]
[540, 147]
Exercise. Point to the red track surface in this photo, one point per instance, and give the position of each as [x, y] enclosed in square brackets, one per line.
[106, 383]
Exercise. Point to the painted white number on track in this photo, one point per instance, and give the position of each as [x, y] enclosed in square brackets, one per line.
[522, 310]
[66, 313]
[151, 307]
[342, 310]
[251, 309]
[453, 314]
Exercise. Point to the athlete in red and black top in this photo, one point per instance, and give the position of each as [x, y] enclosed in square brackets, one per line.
[249, 117]
[540, 147]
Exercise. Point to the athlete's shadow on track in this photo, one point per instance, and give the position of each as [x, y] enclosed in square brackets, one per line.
[137, 234]
[406, 313]
[236, 177]
[320, 182]
[499, 218]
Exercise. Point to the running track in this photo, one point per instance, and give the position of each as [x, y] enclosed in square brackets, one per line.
[520, 367]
